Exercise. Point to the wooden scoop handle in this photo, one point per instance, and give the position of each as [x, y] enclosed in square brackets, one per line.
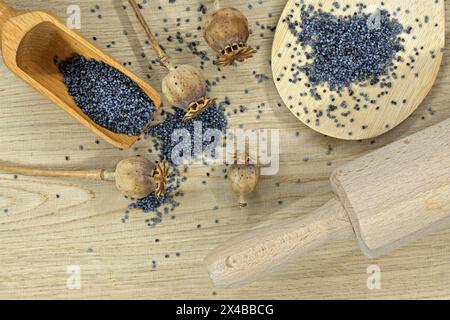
[6, 13]
[96, 174]
[250, 256]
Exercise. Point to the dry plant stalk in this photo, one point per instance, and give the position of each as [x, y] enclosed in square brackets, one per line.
[184, 86]
[226, 31]
[135, 177]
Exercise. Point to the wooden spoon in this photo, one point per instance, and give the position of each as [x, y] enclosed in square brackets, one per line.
[30, 41]
[427, 36]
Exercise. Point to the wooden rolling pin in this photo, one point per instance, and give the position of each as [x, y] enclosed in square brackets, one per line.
[387, 198]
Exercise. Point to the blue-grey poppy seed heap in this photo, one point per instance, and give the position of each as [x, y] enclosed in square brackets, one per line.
[107, 96]
[349, 55]
[346, 50]
[211, 118]
[167, 202]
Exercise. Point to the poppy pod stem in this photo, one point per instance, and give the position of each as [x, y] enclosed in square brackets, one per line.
[162, 56]
[242, 201]
[135, 177]
[184, 86]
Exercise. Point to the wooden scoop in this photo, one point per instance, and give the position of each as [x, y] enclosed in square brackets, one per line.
[427, 37]
[388, 198]
[30, 41]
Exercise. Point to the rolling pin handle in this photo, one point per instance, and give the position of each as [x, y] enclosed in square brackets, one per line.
[250, 256]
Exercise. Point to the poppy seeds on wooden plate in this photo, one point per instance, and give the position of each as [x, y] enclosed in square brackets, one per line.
[343, 60]
[348, 49]
[107, 96]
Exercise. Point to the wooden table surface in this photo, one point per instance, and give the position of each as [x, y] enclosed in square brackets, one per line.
[48, 225]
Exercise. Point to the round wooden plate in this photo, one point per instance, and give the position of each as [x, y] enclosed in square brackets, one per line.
[377, 110]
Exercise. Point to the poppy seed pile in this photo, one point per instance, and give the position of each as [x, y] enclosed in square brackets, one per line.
[107, 96]
[345, 63]
[211, 118]
[152, 203]
[349, 49]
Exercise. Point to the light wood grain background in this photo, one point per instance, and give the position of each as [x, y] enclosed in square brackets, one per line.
[41, 234]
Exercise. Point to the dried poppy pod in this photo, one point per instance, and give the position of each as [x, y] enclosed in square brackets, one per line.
[185, 87]
[243, 179]
[135, 177]
[226, 31]
[138, 177]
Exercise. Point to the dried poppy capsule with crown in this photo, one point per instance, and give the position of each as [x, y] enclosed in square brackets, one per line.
[184, 86]
[226, 31]
[135, 177]
[138, 177]
[243, 177]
